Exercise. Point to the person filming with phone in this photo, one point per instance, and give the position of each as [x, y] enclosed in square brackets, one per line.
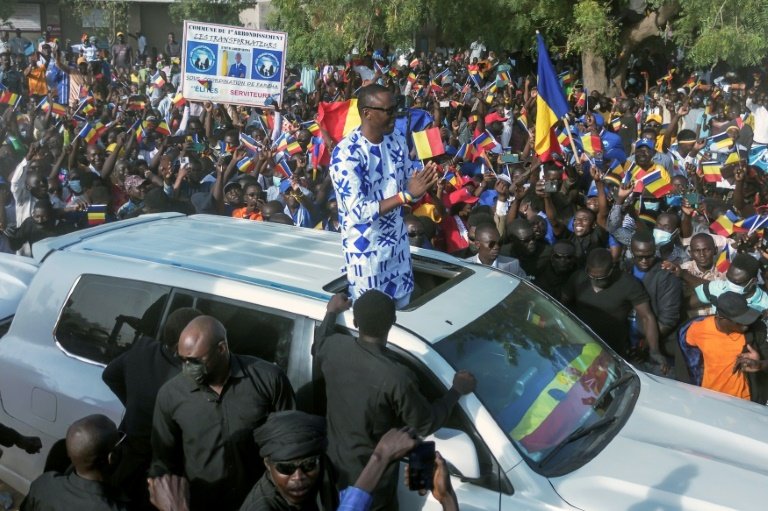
[369, 391]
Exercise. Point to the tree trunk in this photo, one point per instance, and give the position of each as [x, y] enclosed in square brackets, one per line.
[630, 36]
[593, 68]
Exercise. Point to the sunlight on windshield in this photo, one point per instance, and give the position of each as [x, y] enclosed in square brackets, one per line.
[538, 370]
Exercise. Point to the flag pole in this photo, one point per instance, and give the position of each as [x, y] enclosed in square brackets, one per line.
[570, 136]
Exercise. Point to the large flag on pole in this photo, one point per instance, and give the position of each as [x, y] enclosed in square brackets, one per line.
[550, 105]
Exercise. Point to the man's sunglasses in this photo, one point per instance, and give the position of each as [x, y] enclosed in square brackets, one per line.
[306, 465]
[388, 111]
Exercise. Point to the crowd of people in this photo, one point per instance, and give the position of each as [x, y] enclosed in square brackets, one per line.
[645, 219]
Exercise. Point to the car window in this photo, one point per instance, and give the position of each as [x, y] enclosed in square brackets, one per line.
[251, 330]
[539, 371]
[103, 316]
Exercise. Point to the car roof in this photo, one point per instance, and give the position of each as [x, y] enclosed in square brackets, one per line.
[306, 262]
[262, 253]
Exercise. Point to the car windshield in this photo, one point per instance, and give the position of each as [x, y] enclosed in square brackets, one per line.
[540, 373]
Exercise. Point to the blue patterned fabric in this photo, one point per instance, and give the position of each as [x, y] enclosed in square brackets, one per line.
[376, 250]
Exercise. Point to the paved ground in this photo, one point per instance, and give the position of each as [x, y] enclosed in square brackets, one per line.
[17, 497]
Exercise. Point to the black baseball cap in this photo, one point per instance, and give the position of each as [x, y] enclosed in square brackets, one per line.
[734, 306]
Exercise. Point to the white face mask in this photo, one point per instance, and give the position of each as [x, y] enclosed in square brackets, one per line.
[662, 237]
[730, 286]
[276, 181]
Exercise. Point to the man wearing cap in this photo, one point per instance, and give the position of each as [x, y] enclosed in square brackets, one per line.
[644, 164]
[135, 188]
[488, 244]
[292, 445]
[454, 225]
[374, 177]
[720, 341]
[741, 278]
[122, 54]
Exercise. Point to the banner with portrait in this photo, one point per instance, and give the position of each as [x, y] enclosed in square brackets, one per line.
[226, 64]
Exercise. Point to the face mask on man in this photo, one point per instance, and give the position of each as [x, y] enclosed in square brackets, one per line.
[195, 371]
[662, 237]
[735, 288]
[75, 186]
[276, 181]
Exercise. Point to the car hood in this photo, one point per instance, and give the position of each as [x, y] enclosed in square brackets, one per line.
[684, 448]
[16, 273]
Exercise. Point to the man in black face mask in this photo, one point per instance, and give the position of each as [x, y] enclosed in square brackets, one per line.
[135, 378]
[603, 296]
[204, 418]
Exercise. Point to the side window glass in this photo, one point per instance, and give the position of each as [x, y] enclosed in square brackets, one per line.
[250, 331]
[103, 316]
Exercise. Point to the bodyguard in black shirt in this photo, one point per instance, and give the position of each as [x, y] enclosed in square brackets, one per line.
[135, 377]
[204, 418]
[369, 391]
[90, 441]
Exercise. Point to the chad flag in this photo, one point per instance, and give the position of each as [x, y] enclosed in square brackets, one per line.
[550, 105]
[428, 143]
[338, 118]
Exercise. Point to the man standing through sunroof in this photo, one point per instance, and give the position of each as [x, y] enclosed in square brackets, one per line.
[373, 177]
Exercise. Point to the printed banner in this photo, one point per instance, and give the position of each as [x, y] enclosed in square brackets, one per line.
[227, 64]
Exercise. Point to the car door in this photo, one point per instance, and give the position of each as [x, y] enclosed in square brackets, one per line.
[481, 493]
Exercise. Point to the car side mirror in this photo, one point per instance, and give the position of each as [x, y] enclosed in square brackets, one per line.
[458, 450]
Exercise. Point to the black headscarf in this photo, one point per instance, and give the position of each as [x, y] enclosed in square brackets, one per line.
[291, 435]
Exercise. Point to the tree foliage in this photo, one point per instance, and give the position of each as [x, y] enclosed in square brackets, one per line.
[226, 12]
[712, 31]
[708, 30]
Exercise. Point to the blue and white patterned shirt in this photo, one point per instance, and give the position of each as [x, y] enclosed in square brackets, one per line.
[376, 250]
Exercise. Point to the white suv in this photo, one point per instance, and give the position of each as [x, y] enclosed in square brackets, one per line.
[558, 421]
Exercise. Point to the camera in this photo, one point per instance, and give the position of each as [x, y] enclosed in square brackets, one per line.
[550, 186]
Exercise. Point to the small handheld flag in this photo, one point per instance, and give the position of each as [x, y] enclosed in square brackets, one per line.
[178, 100]
[711, 170]
[720, 141]
[158, 82]
[249, 143]
[283, 169]
[96, 214]
[657, 183]
[591, 144]
[246, 164]
[484, 142]
[428, 143]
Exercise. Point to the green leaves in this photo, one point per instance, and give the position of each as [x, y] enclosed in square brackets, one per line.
[709, 30]
[225, 11]
[593, 29]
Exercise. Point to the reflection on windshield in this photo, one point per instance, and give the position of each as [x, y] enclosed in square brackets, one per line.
[538, 371]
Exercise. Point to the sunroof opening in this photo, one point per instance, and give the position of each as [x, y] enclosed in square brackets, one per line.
[432, 277]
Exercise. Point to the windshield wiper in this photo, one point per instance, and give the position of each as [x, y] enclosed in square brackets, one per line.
[618, 382]
[579, 432]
